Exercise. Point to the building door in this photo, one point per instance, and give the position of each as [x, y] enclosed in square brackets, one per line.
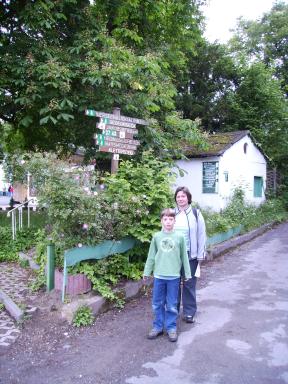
[258, 186]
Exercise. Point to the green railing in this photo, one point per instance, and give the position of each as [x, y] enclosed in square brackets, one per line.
[112, 247]
[220, 237]
[100, 251]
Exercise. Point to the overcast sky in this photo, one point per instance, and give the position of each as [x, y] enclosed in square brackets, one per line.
[222, 15]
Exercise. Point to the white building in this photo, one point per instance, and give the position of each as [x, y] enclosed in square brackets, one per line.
[3, 182]
[232, 160]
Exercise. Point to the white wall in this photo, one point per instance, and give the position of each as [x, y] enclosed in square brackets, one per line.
[241, 170]
[3, 181]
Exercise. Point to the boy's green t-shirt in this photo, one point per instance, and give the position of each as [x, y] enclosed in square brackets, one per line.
[167, 254]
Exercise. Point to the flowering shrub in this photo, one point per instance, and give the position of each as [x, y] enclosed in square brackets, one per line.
[80, 213]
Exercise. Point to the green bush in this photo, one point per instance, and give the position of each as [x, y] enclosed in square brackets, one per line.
[106, 273]
[79, 212]
[9, 249]
[83, 317]
[249, 216]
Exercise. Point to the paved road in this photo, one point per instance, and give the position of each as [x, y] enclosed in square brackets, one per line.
[240, 335]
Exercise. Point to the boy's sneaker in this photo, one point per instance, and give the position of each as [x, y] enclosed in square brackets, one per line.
[154, 333]
[172, 336]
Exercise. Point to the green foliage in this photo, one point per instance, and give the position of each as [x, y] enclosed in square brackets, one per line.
[2, 307]
[24, 263]
[211, 74]
[143, 189]
[9, 249]
[37, 219]
[130, 204]
[83, 317]
[106, 273]
[265, 40]
[100, 55]
[79, 212]
[249, 216]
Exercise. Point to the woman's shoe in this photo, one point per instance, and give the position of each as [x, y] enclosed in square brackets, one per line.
[189, 319]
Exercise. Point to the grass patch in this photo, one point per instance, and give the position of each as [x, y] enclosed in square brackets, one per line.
[38, 219]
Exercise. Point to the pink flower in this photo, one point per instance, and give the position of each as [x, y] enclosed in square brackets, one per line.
[85, 226]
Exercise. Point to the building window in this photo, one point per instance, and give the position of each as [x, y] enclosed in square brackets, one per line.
[258, 186]
[210, 170]
[245, 146]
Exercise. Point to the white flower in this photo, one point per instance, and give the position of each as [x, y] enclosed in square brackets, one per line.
[79, 245]
[85, 226]
[95, 193]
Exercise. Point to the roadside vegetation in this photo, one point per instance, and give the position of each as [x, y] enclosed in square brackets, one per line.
[78, 209]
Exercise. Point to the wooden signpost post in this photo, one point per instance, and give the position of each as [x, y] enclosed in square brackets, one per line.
[116, 135]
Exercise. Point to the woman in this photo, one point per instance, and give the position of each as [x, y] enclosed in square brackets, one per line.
[191, 223]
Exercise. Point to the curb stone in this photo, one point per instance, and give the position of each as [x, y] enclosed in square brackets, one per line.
[32, 264]
[99, 304]
[11, 307]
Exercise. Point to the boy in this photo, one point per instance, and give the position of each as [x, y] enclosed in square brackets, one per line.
[167, 254]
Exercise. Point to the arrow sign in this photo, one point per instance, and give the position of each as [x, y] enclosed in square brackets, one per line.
[104, 141]
[121, 118]
[109, 132]
[100, 139]
[90, 112]
[133, 131]
[121, 140]
[117, 150]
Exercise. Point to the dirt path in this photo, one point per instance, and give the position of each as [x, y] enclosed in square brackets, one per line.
[49, 350]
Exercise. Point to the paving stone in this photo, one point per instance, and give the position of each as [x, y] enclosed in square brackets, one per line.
[14, 282]
[8, 330]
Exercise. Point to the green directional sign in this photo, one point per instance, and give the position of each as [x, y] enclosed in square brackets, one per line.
[100, 139]
[90, 112]
[104, 120]
[110, 132]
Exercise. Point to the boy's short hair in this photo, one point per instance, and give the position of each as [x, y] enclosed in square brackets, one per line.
[186, 191]
[168, 212]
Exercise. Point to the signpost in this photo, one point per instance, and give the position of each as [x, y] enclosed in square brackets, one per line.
[116, 135]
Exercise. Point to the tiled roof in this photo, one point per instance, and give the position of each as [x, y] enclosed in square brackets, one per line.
[218, 144]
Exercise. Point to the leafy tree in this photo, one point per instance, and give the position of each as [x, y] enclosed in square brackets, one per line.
[58, 58]
[210, 75]
[258, 104]
[266, 40]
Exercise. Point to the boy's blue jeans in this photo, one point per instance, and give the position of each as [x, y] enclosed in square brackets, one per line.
[164, 304]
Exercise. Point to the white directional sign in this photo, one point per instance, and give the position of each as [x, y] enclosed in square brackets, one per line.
[133, 131]
[117, 132]
[117, 150]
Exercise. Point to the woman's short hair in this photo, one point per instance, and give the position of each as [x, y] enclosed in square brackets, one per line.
[186, 191]
[168, 212]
